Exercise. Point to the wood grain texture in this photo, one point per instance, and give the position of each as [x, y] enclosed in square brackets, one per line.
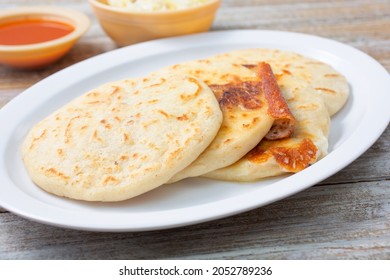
[344, 217]
[324, 222]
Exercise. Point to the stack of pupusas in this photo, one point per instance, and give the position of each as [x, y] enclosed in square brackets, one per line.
[240, 116]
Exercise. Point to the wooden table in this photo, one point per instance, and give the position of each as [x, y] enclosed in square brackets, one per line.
[346, 216]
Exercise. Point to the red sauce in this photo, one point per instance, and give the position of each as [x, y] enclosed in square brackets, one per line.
[32, 31]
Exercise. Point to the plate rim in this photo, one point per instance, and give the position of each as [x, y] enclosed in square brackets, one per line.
[279, 193]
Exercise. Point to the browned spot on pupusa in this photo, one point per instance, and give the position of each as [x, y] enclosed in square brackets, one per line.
[50, 172]
[327, 90]
[60, 152]
[292, 158]
[115, 90]
[110, 180]
[106, 124]
[244, 94]
[96, 137]
[165, 114]
[191, 96]
[68, 134]
[284, 123]
[36, 139]
[332, 75]
[183, 117]
[127, 139]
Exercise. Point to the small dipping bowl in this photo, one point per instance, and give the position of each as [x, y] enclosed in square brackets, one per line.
[34, 55]
[126, 26]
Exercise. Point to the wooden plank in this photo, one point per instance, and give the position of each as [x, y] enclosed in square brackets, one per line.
[373, 165]
[323, 222]
[357, 23]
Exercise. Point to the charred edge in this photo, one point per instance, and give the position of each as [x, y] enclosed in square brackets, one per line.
[245, 94]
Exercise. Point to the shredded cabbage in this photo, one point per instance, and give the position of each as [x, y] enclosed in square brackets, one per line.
[155, 5]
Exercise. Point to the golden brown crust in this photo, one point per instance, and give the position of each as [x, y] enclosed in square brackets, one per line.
[239, 92]
[284, 123]
[292, 158]
[243, 94]
[327, 83]
[249, 95]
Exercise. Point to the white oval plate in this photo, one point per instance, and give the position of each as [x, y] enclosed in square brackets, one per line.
[354, 129]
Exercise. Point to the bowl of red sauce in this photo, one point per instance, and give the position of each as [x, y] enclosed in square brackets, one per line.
[35, 37]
